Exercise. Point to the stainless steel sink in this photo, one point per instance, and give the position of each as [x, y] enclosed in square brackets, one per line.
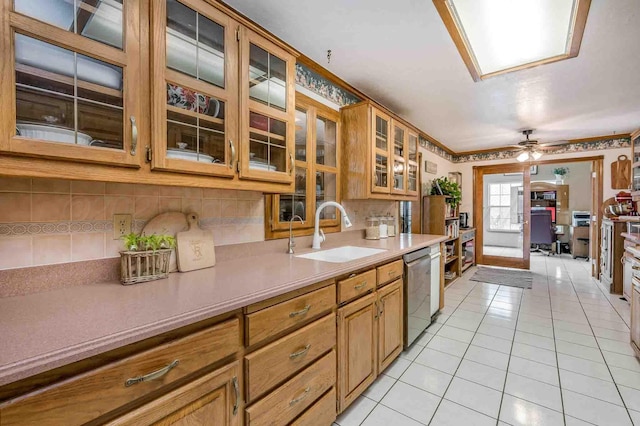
[341, 254]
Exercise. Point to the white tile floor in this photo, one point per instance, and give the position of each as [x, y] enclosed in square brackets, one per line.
[557, 354]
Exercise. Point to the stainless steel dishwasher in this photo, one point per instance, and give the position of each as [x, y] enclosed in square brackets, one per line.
[417, 290]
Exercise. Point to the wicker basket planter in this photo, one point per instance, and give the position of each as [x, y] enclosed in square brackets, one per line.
[141, 266]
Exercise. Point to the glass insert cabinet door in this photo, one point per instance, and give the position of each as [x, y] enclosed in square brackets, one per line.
[412, 164]
[399, 159]
[381, 133]
[74, 84]
[267, 113]
[635, 144]
[195, 96]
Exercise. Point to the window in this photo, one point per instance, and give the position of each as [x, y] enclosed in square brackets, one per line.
[317, 175]
[505, 206]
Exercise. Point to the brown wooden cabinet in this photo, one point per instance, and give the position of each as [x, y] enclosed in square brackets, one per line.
[390, 327]
[370, 332]
[379, 154]
[212, 399]
[69, 89]
[635, 319]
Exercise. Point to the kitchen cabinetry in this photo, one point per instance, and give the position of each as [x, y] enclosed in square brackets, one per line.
[206, 121]
[635, 158]
[291, 361]
[317, 175]
[635, 319]
[370, 330]
[379, 154]
[84, 397]
[212, 399]
[70, 89]
[611, 252]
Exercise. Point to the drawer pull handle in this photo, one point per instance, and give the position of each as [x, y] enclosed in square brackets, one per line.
[361, 285]
[152, 376]
[352, 275]
[134, 135]
[300, 352]
[636, 268]
[300, 312]
[236, 390]
[294, 401]
[392, 273]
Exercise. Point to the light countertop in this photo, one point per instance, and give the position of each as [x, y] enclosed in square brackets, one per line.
[43, 331]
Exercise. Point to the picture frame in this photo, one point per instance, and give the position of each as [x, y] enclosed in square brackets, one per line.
[430, 167]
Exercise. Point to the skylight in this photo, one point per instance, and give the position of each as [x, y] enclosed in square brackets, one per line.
[498, 36]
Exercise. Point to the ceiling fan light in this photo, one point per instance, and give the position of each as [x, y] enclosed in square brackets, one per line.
[524, 156]
[536, 155]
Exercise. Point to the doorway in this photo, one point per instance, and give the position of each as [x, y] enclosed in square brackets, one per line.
[502, 214]
[502, 208]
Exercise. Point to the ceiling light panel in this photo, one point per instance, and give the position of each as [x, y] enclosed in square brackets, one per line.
[504, 34]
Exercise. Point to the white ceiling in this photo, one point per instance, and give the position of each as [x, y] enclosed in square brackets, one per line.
[400, 54]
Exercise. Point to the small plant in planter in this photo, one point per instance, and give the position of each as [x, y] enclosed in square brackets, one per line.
[449, 188]
[146, 257]
[560, 171]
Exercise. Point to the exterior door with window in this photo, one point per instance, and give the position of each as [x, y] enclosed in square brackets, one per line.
[502, 208]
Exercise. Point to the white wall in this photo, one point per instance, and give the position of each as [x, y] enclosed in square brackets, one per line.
[610, 155]
[444, 167]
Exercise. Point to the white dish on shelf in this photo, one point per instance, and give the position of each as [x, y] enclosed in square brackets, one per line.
[52, 133]
[183, 154]
[258, 165]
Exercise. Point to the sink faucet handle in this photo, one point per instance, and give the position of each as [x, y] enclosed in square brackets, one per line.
[322, 235]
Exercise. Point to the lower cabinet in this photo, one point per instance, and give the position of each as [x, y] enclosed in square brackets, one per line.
[370, 333]
[212, 399]
[635, 320]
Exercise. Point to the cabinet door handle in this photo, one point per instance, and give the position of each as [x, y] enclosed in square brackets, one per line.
[300, 312]
[300, 352]
[233, 154]
[236, 391]
[152, 376]
[294, 401]
[377, 314]
[361, 285]
[635, 268]
[375, 178]
[292, 163]
[134, 135]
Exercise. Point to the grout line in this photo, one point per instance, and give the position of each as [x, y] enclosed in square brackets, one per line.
[555, 347]
[601, 352]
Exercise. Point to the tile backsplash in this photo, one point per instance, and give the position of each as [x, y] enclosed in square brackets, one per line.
[49, 221]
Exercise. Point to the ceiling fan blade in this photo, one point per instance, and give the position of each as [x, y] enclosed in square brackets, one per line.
[516, 146]
[554, 143]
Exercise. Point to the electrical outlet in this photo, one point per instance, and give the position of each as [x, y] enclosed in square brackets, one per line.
[121, 225]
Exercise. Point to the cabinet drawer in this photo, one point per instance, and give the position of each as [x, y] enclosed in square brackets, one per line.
[322, 413]
[90, 395]
[390, 271]
[292, 398]
[356, 285]
[270, 321]
[275, 362]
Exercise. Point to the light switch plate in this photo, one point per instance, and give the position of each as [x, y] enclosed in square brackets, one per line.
[121, 225]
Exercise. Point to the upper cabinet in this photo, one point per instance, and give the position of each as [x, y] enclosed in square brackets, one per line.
[635, 155]
[70, 80]
[380, 157]
[223, 96]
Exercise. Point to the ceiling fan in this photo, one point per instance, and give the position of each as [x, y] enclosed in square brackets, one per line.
[531, 149]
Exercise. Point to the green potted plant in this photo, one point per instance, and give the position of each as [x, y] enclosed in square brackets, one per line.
[444, 186]
[146, 257]
[560, 173]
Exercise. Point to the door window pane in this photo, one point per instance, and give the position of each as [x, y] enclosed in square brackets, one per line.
[382, 133]
[398, 174]
[381, 174]
[326, 187]
[398, 142]
[296, 203]
[267, 143]
[195, 126]
[301, 135]
[195, 44]
[63, 96]
[326, 142]
[267, 78]
[98, 20]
